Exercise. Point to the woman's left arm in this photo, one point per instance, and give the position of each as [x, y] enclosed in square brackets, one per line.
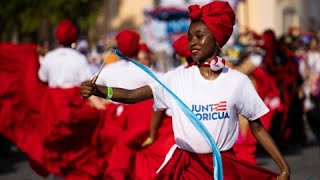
[264, 138]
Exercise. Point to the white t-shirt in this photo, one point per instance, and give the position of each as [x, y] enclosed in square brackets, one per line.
[123, 74]
[64, 68]
[216, 103]
[314, 61]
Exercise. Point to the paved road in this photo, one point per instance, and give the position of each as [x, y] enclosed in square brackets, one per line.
[304, 162]
[16, 167]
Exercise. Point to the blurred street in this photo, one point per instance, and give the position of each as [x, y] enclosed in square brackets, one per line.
[16, 167]
[304, 162]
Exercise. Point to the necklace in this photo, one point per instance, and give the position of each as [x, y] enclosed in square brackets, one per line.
[215, 64]
[206, 74]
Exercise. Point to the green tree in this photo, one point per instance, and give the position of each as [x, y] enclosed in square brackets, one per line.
[24, 18]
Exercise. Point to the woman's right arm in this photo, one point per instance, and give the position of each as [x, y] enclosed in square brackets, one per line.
[119, 95]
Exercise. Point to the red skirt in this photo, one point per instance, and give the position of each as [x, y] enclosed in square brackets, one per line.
[120, 160]
[149, 159]
[190, 166]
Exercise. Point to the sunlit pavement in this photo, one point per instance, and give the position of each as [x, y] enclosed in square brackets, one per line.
[304, 162]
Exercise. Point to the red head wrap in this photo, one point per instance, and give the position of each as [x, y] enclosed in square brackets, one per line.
[128, 42]
[66, 32]
[181, 46]
[144, 47]
[269, 40]
[218, 16]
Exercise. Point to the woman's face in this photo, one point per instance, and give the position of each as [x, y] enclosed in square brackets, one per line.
[313, 43]
[144, 58]
[201, 42]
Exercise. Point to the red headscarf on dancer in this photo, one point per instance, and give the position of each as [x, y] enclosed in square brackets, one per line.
[218, 16]
[181, 46]
[128, 42]
[144, 47]
[66, 32]
[269, 40]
